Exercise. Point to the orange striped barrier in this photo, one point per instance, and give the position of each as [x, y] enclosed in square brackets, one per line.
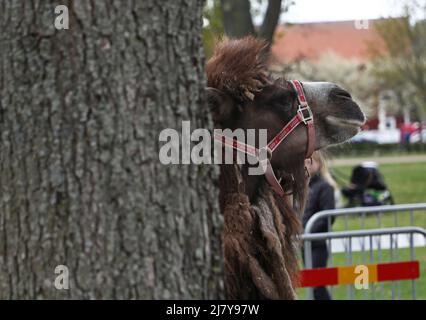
[347, 274]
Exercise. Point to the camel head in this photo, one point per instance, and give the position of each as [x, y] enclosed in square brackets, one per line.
[241, 95]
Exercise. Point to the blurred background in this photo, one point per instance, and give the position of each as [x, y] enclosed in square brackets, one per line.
[377, 51]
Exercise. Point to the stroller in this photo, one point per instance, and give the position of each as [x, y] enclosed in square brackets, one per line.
[367, 187]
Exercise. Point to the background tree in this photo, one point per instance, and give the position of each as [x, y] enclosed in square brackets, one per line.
[238, 21]
[213, 26]
[81, 183]
[235, 18]
[402, 66]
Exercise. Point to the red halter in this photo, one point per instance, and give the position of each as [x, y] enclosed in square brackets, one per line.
[303, 115]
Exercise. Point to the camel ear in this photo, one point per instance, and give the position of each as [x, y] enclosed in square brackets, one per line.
[221, 105]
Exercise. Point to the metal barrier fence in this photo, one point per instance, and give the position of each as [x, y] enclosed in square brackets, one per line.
[363, 212]
[377, 248]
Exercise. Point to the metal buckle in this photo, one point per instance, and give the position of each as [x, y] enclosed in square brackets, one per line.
[305, 117]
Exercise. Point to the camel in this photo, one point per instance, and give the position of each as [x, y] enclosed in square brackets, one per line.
[259, 237]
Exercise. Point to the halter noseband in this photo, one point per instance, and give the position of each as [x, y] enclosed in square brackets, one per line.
[303, 115]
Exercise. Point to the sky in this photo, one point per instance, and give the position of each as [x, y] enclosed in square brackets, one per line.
[335, 10]
[338, 10]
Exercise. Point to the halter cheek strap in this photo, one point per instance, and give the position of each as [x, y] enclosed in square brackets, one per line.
[306, 117]
[303, 115]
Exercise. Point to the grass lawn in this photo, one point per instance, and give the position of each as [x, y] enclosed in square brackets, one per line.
[407, 182]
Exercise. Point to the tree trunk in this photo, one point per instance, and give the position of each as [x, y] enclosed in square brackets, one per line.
[238, 22]
[80, 179]
[237, 19]
[270, 20]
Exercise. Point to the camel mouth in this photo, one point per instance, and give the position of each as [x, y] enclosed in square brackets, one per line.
[353, 123]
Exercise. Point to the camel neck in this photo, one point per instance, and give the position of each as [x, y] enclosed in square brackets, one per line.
[252, 183]
[235, 179]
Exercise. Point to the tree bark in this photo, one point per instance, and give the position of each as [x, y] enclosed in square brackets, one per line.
[81, 183]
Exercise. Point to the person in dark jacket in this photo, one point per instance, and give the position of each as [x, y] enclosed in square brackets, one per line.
[321, 197]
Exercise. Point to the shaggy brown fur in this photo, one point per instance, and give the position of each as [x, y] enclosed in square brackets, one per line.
[260, 250]
[258, 241]
[238, 67]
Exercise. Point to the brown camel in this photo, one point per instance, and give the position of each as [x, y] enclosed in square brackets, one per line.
[260, 230]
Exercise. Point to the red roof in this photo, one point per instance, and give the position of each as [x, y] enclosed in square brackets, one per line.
[311, 40]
